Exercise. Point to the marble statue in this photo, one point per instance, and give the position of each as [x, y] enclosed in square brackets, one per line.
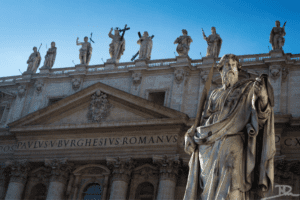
[145, 43]
[85, 51]
[116, 47]
[50, 57]
[33, 61]
[233, 149]
[183, 42]
[276, 36]
[214, 43]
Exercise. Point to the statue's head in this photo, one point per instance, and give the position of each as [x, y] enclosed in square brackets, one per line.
[184, 32]
[213, 30]
[52, 44]
[277, 23]
[146, 34]
[116, 31]
[86, 39]
[34, 49]
[229, 68]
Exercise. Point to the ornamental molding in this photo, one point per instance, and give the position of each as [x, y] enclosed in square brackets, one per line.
[60, 169]
[121, 168]
[275, 71]
[19, 170]
[99, 108]
[168, 166]
[179, 75]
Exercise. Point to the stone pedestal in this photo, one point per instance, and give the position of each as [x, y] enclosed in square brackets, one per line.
[168, 176]
[59, 176]
[183, 59]
[19, 171]
[110, 65]
[276, 53]
[44, 71]
[111, 61]
[121, 175]
[208, 60]
[141, 63]
[80, 67]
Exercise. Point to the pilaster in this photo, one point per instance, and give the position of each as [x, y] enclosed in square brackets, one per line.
[60, 169]
[168, 169]
[18, 178]
[122, 168]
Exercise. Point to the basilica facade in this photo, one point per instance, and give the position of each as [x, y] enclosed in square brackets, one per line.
[116, 131]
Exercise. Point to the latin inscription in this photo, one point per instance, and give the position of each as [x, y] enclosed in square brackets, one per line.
[98, 142]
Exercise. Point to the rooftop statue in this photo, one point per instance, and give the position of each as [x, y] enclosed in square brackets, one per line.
[85, 51]
[50, 57]
[117, 45]
[276, 36]
[214, 43]
[33, 62]
[145, 43]
[183, 42]
[233, 144]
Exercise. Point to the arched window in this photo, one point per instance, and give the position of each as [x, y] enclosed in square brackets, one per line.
[145, 191]
[38, 192]
[93, 191]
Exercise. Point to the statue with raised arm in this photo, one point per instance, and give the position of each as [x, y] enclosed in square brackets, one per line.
[232, 146]
[145, 43]
[214, 43]
[276, 36]
[183, 42]
[85, 51]
[50, 57]
[117, 45]
[33, 61]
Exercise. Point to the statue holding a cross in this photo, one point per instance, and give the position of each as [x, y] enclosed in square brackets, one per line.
[117, 46]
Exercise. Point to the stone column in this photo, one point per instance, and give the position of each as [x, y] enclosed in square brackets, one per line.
[121, 175]
[18, 177]
[59, 176]
[168, 176]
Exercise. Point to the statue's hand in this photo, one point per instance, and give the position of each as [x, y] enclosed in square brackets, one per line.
[189, 144]
[261, 90]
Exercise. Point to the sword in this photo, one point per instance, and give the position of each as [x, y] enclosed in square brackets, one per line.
[202, 102]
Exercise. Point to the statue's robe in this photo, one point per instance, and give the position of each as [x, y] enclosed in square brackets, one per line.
[116, 47]
[33, 61]
[145, 48]
[183, 46]
[276, 37]
[236, 140]
[214, 43]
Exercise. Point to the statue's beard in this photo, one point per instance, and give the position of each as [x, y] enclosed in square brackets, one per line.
[229, 79]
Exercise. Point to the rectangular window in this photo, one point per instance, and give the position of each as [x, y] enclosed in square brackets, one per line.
[157, 97]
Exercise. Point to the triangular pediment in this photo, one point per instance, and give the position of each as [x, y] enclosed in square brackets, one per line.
[82, 109]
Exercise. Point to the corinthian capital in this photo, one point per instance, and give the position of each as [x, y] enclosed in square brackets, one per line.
[60, 169]
[122, 168]
[19, 170]
[168, 166]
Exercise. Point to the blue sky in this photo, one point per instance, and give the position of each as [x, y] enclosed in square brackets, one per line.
[244, 27]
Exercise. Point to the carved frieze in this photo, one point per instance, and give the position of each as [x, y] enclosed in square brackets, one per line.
[136, 78]
[168, 167]
[19, 170]
[21, 91]
[275, 71]
[179, 75]
[121, 167]
[99, 107]
[60, 169]
[39, 86]
[76, 82]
